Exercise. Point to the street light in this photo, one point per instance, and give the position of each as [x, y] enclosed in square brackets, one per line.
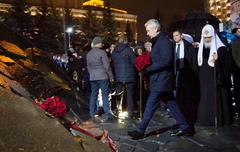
[69, 31]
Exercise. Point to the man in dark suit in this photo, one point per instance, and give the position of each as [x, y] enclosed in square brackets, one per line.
[187, 82]
[161, 75]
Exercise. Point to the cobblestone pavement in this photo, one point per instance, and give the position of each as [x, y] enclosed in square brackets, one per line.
[206, 139]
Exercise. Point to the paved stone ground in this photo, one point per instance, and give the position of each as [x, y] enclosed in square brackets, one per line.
[206, 139]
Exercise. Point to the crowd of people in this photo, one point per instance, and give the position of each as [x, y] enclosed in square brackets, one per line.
[193, 80]
[75, 66]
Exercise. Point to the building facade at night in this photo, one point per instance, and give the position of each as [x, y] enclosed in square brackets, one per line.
[219, 8]
[224, 10]
[235, 13]
[78, 10]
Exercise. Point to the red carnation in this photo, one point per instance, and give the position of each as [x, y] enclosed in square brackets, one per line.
[55, 106]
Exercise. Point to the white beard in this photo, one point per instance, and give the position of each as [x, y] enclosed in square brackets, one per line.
[207, 45]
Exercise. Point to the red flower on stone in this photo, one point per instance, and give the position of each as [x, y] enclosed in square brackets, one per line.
[55, 106]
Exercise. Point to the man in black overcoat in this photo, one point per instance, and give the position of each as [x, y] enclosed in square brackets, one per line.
[187, 82]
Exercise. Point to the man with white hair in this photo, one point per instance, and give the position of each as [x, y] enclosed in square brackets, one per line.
[161, 76]
[214, 75]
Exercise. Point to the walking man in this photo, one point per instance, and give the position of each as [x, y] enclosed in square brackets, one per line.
[161, 75]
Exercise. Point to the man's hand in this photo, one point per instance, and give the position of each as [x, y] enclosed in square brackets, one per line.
[215, 56]
[195, 44]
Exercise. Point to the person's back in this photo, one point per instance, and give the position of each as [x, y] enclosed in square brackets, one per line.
[123, 59]
[97, 64]
[100, 73]
[123, 62]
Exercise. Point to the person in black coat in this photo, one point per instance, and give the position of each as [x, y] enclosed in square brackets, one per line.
[187, 82]
[236, 71]
[123, 59]
[161, 76]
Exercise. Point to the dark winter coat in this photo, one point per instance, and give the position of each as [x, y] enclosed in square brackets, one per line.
[188, 82]
[123, 59]
[187, 88]
[161, 71]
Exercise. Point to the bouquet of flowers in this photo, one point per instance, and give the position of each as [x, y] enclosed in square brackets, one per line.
[54, 106]
[142, 61]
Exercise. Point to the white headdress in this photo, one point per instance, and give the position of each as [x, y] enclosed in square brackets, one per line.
[208, 31]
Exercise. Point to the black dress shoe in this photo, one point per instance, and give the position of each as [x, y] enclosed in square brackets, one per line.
[135, 135]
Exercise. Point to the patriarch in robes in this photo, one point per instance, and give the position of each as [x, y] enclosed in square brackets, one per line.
[214, 61]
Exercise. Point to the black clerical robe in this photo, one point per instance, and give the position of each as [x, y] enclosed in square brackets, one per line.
[215, 84]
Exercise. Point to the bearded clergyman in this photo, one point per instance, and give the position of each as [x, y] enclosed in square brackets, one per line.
[214, 61]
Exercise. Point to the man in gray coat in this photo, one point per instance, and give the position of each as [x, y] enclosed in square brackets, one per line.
[100, 73]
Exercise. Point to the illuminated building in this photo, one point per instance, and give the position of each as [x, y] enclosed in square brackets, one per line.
[100, 3]
[77, 7]
[219, 8]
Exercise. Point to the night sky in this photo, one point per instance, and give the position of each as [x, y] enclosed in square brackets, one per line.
[145, 9]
